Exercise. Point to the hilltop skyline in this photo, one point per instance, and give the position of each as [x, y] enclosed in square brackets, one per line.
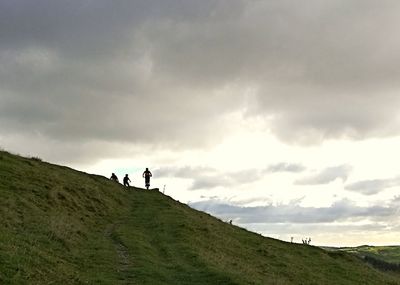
[279, 115]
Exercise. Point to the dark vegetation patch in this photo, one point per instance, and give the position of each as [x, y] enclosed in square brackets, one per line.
[382, 265]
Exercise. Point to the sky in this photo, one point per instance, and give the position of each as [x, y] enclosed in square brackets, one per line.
[281, 116]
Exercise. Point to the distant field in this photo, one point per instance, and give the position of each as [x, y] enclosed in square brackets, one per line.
[386, 253]
[62, 226]
[384, 258]
[389, 254]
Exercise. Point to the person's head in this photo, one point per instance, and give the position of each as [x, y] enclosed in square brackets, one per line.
[147, 169]
[126, 175]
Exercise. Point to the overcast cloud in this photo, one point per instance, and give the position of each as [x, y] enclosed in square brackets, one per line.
[342, 222]
[208, 178]
[326, 176]
[371, 187]
[286, 167]
[169, 72]
[293, 213]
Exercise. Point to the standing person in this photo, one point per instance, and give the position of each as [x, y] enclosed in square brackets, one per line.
[126, 180]
[114, 177]
[146, 175]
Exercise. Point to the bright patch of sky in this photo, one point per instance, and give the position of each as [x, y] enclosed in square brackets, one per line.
[251, 151]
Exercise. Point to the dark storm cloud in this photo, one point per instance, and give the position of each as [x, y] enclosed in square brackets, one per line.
[293, 213]
[208, 177]
[83, 71]
[327, 175]
[169, 72]
[374, 186]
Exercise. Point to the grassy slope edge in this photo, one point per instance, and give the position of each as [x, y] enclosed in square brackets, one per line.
[63, 226]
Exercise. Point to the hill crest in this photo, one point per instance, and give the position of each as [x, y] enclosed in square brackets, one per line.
[64, 226]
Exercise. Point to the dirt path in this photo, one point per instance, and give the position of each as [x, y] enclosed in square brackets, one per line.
[124, 259]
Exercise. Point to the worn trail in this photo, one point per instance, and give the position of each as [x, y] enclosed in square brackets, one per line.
[125, 263]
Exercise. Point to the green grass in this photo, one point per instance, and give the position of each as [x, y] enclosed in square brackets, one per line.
[61, 226]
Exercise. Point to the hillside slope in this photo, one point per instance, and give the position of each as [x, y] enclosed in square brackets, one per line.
[61, 226]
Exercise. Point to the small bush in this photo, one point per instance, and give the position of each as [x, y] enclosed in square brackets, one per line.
[35, 158]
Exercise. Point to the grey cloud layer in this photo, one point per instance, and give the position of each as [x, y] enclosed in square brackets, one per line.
[207, 177]
[286, 167]
[292, 213]
[169, 72]
[374, 186]
[85, 71]
[327, 175]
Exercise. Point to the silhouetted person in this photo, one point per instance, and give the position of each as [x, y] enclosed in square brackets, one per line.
[114, 177]
[126, 180]
[146, 175]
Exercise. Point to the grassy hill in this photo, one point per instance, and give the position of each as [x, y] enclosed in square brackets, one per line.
[61, 226]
